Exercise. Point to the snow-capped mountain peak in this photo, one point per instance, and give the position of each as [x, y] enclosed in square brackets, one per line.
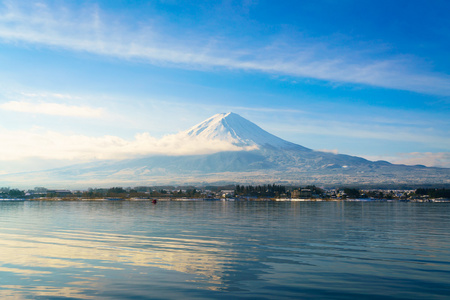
[234, 151]
[233, 128]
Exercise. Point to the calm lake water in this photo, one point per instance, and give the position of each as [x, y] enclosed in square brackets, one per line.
[215, 249]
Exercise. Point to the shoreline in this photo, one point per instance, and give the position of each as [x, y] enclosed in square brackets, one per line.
[73, 199]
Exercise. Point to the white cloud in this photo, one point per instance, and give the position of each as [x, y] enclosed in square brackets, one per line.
[99, 34]
[334, 151]
[56, 109]
[429, 159]
[51, 145]
[42, 96]
[360, 130]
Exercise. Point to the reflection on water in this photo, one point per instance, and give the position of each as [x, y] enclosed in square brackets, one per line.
[94, 255]
[125, 249]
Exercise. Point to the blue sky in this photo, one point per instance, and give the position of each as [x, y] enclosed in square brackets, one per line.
[86, 80]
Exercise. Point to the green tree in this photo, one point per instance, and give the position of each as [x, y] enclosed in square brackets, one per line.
[15, 193]
[352, 192]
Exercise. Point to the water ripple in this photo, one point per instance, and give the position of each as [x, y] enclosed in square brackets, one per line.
[217, 250]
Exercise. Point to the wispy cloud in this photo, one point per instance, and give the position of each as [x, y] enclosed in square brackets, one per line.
[55, 109]
[97, 33]
[43, 96]
[363, 131]
[334, 151]
[52, 145]
[429, 159]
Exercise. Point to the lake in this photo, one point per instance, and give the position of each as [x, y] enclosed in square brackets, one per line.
[223, 250]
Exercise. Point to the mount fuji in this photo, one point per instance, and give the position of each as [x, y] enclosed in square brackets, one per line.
[252, 156]
[231, 127]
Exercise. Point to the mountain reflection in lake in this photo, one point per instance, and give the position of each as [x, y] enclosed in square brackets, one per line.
[134, 249]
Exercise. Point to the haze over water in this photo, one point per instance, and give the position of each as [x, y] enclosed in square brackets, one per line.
[215, 249]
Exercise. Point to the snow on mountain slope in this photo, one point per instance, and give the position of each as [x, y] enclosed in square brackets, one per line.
[235, 129]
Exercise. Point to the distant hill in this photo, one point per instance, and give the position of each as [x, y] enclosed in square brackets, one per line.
[263, 158]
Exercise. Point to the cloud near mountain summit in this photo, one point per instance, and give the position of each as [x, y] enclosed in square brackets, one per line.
[56, 145]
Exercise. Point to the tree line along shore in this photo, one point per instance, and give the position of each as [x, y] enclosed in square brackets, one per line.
[243, 192]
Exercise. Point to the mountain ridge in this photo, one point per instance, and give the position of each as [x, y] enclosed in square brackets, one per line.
[262, 158]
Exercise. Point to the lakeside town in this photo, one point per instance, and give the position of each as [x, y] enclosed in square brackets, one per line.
[230, 192]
